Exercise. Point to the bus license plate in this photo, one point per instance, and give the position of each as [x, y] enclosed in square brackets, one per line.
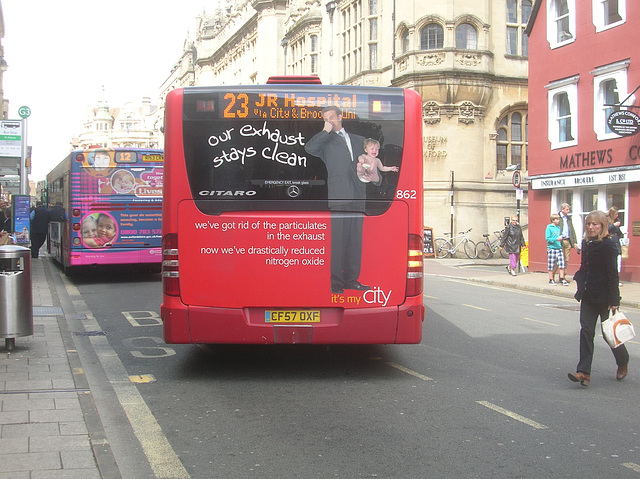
[292, 316]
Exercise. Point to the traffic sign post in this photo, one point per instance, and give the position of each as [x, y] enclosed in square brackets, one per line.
[516, 180]
[24, 112]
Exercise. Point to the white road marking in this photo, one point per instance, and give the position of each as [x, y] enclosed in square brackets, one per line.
[512, 415]
[409, 371]
[541, 322]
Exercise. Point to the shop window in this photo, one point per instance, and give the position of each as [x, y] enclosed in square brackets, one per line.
[585, 200]
[616, 196]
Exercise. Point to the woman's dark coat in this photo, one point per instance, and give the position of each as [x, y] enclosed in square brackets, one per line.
[512, 239]
[597, 278]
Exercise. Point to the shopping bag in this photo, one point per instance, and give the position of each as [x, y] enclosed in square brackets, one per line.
[617, 329]
[624, 251]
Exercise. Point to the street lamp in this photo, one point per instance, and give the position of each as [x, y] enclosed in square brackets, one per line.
[331, 6]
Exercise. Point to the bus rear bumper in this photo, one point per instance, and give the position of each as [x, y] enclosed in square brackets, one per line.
[399, 325]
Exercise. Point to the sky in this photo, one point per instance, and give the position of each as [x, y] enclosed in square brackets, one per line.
[63, 56]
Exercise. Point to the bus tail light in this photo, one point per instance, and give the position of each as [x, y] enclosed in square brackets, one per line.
[415, 272]
[170, 267]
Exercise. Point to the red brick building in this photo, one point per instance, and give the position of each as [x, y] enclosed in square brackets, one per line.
[584, 65]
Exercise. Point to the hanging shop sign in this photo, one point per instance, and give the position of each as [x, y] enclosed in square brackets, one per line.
[624, 123]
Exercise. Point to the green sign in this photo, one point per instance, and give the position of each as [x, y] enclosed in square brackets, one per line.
[24, 112]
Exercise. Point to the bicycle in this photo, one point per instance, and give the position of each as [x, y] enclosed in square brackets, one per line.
[487, 248]
[444, 247]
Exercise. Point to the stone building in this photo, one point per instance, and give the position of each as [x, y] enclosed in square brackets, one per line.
[467, 59]
[133, 125]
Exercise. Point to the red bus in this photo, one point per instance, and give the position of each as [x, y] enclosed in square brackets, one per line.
[277, 229]
[112, 203]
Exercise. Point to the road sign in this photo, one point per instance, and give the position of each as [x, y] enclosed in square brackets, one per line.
[11, 138]
[517, 179]
[24, 112]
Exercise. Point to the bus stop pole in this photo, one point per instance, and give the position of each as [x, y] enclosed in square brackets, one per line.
[451, 195]
[24, 181]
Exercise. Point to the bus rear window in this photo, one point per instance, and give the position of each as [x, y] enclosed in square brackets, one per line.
[246, 150]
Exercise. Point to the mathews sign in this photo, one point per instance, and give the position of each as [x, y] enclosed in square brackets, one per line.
[624, 123]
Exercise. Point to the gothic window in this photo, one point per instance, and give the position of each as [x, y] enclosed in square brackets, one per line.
[404, 41]
[518, 13]
[466, 37]
[352, 33]
[314, 54]
[512, 140]
[432, 37]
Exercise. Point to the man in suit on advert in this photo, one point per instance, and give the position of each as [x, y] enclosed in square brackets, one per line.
[339, 152]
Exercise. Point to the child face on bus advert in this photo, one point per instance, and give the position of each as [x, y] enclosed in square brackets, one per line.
[89, 227]
[372, 149]
[106, 227]
[101, 160]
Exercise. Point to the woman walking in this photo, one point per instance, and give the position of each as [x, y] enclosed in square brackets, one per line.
[616, 233]
[598, 293]
[513, 241]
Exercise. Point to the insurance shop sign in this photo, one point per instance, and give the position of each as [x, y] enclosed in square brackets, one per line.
[624, 123]
[11, 138]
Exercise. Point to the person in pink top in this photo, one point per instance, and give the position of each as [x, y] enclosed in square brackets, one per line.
[369, 163]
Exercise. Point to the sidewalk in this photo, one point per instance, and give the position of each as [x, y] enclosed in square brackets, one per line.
[494, 272]
[49, 426]
[45, 404]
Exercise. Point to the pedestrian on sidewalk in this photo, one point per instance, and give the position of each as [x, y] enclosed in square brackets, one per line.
[598, 293]
[569, 239]
[39, 227]
[615, 233]
[555, 257]
[513, 241]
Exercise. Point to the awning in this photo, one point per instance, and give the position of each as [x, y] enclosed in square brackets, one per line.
[601, 176]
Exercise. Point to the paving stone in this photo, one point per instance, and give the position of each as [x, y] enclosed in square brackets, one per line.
[27, 430]
[59, 415]
[73, 428]
[30, 461]
[67, 474]
[60, 443]
[22, 404]
[14, 445]
[14, 417]
[78, 459]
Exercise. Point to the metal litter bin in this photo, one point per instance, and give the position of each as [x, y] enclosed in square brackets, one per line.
[16, 301]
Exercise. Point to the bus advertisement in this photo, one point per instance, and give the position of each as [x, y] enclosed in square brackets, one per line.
[293, 214]
[106, 207]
